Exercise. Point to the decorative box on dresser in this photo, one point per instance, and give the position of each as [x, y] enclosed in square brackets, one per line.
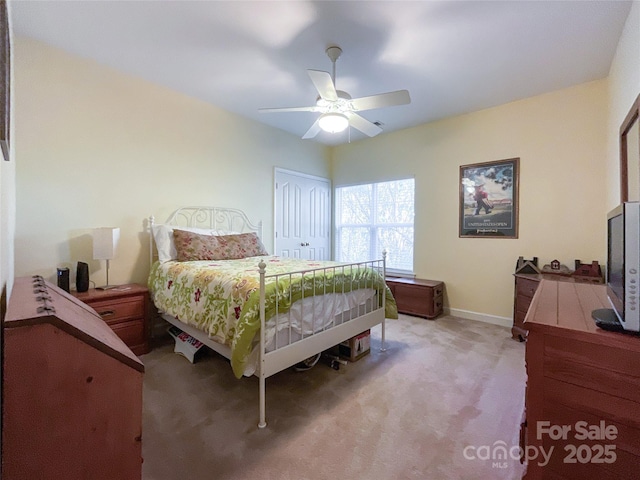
[125, 309]
[72, 390]
[580, 379]
[416, 296]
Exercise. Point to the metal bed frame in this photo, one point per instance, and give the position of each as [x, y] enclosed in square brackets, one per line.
[280, 358]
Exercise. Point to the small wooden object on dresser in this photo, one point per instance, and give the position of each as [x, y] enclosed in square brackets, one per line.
[582, 383]
[415, 296]
[588, 272]
[125, 309]
[72, 391]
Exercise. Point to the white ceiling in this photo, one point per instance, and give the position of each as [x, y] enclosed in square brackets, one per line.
[453, 56]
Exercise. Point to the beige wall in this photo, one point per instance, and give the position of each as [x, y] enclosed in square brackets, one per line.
[95, 147]
[624, 88]
[560, 138]
[99, 148]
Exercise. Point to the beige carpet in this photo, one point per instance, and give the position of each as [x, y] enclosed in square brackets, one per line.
[407, 413]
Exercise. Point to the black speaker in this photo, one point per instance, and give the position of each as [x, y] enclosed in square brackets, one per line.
[82, 277]
[63, 279]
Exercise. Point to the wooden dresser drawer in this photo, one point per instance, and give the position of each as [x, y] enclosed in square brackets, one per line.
[131, 332]
[118, 311]
[518, 318]
[522, 306]
[592, 366]
[526, 288]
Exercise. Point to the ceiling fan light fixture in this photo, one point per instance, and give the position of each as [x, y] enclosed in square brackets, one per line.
[333, 122]
[341, 111]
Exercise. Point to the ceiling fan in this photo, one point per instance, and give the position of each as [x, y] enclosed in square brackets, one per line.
[338, 110]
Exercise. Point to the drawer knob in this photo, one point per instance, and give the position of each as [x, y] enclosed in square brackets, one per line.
[107, 313]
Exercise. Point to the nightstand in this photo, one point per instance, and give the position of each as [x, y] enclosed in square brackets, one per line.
[125, 310]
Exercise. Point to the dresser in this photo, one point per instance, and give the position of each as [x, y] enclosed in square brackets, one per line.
[125, 309]
[583, 388]
[72, 389]
[416, 296]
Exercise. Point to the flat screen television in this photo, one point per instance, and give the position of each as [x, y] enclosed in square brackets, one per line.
[623, 270]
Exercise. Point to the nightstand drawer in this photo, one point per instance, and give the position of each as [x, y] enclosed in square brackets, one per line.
[131, 332]
[118, 311]
[125, 310]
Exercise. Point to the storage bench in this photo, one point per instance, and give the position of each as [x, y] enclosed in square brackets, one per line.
[416, 296]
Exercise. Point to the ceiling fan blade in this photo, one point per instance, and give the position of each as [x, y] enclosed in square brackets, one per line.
[362, 124]
[313, 131]
[313, 108]
[391, 99]
[324, 85]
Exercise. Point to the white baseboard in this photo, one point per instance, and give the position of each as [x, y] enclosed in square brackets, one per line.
[481, 317]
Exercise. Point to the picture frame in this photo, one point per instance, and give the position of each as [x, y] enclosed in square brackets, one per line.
[489, 199]
[630, 155]
[5, 79]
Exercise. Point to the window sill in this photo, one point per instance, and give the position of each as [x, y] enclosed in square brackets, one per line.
[397, 273]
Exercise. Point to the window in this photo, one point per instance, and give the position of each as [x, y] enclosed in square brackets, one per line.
[374, 217]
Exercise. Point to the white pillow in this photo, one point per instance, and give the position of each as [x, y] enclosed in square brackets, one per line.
[163, 237]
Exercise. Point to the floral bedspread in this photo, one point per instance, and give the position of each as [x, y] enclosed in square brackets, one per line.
[222, 299]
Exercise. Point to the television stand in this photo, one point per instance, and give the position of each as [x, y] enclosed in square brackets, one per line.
[607, 319]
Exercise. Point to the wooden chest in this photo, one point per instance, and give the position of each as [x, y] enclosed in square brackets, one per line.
[72, 390]
[416, 296]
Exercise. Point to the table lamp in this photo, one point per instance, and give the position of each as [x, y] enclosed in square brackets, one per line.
[105, 241]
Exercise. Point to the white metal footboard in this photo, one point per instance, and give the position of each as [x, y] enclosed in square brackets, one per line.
[331, 331]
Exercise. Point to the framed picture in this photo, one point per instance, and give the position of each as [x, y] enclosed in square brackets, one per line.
[489, 199]
[5, 69]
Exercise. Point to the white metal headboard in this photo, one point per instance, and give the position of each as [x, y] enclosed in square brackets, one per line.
[215, 218]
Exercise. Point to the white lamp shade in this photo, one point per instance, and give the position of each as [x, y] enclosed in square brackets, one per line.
[105, 241]
[333, 122]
